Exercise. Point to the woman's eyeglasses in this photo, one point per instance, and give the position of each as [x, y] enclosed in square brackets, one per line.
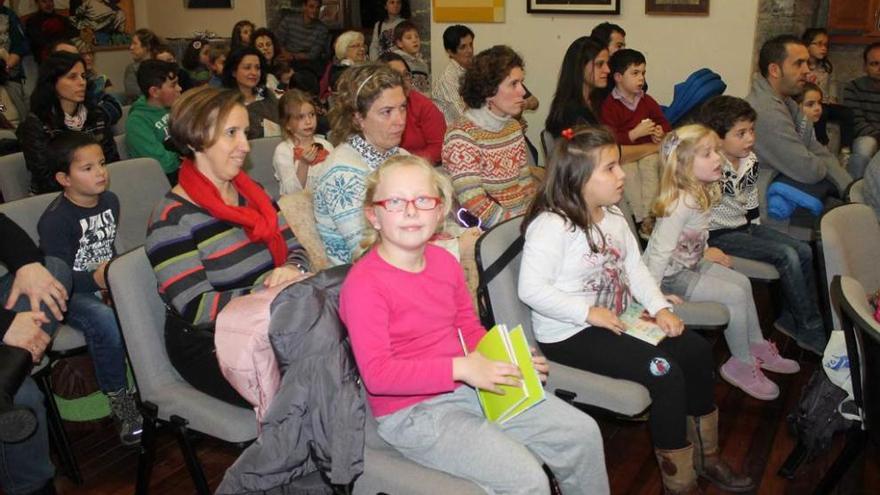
[396, 205]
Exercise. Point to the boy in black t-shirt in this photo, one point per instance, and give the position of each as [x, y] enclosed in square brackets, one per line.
[79, 227]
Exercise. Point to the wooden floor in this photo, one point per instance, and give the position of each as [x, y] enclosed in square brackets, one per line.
[754, 436]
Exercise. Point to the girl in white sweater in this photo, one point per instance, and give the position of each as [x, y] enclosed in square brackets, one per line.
[678, 257]
[580, 270]
[298, 159]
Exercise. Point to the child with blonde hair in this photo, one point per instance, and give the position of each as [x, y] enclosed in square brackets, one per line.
[297, 159]
[405, 303]
[678, 256]
[580, 270]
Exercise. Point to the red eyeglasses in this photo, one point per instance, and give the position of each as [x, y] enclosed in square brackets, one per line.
[396, 205]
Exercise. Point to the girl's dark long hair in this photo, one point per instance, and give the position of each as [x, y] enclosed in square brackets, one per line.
[192, 53]
[571, 166]
[44, 100]
[235, 41]
[808, 37]
[570, 87]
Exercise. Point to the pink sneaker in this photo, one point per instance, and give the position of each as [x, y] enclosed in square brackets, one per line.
[768, 355]
[749, 378]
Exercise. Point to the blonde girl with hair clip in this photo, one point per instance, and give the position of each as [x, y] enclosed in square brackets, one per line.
[678, 256]
[408, 313]
[297, 159]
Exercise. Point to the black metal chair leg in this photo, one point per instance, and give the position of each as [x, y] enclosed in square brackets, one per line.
[56, 428]
[797, 457]
[189, 454]
[147, 454]
[855, 443]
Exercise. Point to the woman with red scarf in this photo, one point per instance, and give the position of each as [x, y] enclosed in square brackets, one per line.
[216, 235]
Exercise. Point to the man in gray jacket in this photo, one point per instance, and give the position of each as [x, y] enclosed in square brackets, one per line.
[785, 142]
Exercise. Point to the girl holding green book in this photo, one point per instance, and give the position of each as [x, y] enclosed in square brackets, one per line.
[404, 302]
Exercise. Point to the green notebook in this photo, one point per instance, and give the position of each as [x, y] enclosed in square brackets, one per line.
[499, 344]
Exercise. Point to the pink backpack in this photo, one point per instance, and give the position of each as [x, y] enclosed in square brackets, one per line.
[246, 358]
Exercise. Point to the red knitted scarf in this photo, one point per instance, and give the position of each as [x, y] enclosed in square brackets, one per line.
[257, 217]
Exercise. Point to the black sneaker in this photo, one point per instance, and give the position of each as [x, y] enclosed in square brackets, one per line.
[128, 418]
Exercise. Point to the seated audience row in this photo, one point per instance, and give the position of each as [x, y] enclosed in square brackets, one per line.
[217, 235]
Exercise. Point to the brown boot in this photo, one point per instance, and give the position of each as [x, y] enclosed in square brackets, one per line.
[702, 431]
[677, 471]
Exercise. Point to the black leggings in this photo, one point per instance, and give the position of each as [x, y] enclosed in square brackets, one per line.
[193, 355]
[678, 373]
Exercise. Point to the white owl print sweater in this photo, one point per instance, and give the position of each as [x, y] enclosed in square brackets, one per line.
[561, 279]
[678, 240]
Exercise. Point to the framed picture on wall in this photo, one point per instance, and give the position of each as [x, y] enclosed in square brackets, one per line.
[102, 24]
[683, 7]
[573, 7]
[207, 4]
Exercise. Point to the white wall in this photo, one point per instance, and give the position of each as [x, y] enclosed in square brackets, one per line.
[169, 18]
[675, 46]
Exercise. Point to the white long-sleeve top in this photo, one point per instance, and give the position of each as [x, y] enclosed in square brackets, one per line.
[285, 166]
[561, 279]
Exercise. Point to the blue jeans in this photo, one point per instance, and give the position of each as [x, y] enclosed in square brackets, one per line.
[25, 466]
[86, 313]
[793, 260]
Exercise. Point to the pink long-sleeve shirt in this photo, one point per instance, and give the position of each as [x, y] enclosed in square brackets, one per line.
[404, 327]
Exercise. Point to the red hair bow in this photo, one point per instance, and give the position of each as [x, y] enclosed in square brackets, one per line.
[567, 133]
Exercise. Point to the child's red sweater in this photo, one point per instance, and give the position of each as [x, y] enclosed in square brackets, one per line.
[621, 120]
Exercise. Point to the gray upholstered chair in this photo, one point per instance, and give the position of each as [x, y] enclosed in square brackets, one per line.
[15, 180]
[850, 237]
[164, 396]
[121, 146]
[548, 142]
[259, 164]
[119, 126]
[862, 335]
[140, 184]
[856, 192]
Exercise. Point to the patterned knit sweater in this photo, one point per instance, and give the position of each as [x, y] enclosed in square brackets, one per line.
[339, 195]
[201, 262]
[739, 195]
[486, 158]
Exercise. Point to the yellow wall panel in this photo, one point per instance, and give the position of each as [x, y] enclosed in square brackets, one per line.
[468, 10]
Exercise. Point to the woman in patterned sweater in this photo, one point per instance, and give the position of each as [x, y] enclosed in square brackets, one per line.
[216, 235]
[485, 151]
[367, 120]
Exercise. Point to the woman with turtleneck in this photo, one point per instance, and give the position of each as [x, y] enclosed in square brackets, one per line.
[485, 151]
